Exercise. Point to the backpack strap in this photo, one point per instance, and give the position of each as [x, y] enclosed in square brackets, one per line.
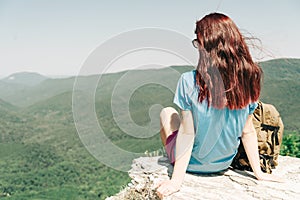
[261, 104]
[274, 129]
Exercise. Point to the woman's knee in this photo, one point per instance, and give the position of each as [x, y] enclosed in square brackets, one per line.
[169, 117]
[167, 112]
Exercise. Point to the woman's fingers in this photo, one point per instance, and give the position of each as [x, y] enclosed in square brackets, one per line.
[166, 188]
[159, 184]
[163, 190]
[277, 179]
[270, 177]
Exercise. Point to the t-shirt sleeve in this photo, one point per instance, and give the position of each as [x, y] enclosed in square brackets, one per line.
[252, 107]
[181, 98]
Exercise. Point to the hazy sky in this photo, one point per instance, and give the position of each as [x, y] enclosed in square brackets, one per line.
[54, 37]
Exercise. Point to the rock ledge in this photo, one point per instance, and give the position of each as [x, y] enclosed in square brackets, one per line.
[233, 184]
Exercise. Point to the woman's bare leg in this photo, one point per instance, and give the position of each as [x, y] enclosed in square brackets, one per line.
[169, 122]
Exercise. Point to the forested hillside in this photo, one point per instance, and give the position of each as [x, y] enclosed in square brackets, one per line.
[42, 157]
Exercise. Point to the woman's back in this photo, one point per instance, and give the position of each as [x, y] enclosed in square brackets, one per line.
[217, 131]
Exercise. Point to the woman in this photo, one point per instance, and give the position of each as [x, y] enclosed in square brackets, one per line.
[216, 102]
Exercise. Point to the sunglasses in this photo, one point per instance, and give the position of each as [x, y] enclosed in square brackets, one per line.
[195, 43]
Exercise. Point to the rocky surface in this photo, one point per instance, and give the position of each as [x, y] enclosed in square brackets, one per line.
[233, 184]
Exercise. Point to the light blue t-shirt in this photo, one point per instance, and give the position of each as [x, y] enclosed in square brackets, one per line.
[217, 131]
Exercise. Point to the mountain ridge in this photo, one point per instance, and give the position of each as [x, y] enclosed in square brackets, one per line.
[25, 78]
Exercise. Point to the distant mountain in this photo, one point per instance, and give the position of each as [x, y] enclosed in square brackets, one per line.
[25, 78]
[282, 88]
[7, 106]
[7, 113]
[59, 104]
[24, 96]
[281, 69]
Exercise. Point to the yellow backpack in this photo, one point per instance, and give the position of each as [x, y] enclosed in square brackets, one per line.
[269, 128]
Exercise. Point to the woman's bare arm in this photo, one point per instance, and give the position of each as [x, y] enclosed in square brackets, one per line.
[184, 146]
[249, 139]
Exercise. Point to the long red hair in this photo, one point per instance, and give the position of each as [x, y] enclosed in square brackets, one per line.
[226, 73]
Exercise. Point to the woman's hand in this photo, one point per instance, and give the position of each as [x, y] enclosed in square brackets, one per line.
[268, 177]
[168, 187]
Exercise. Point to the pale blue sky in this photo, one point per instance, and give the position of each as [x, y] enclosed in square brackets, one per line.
[55, 37]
